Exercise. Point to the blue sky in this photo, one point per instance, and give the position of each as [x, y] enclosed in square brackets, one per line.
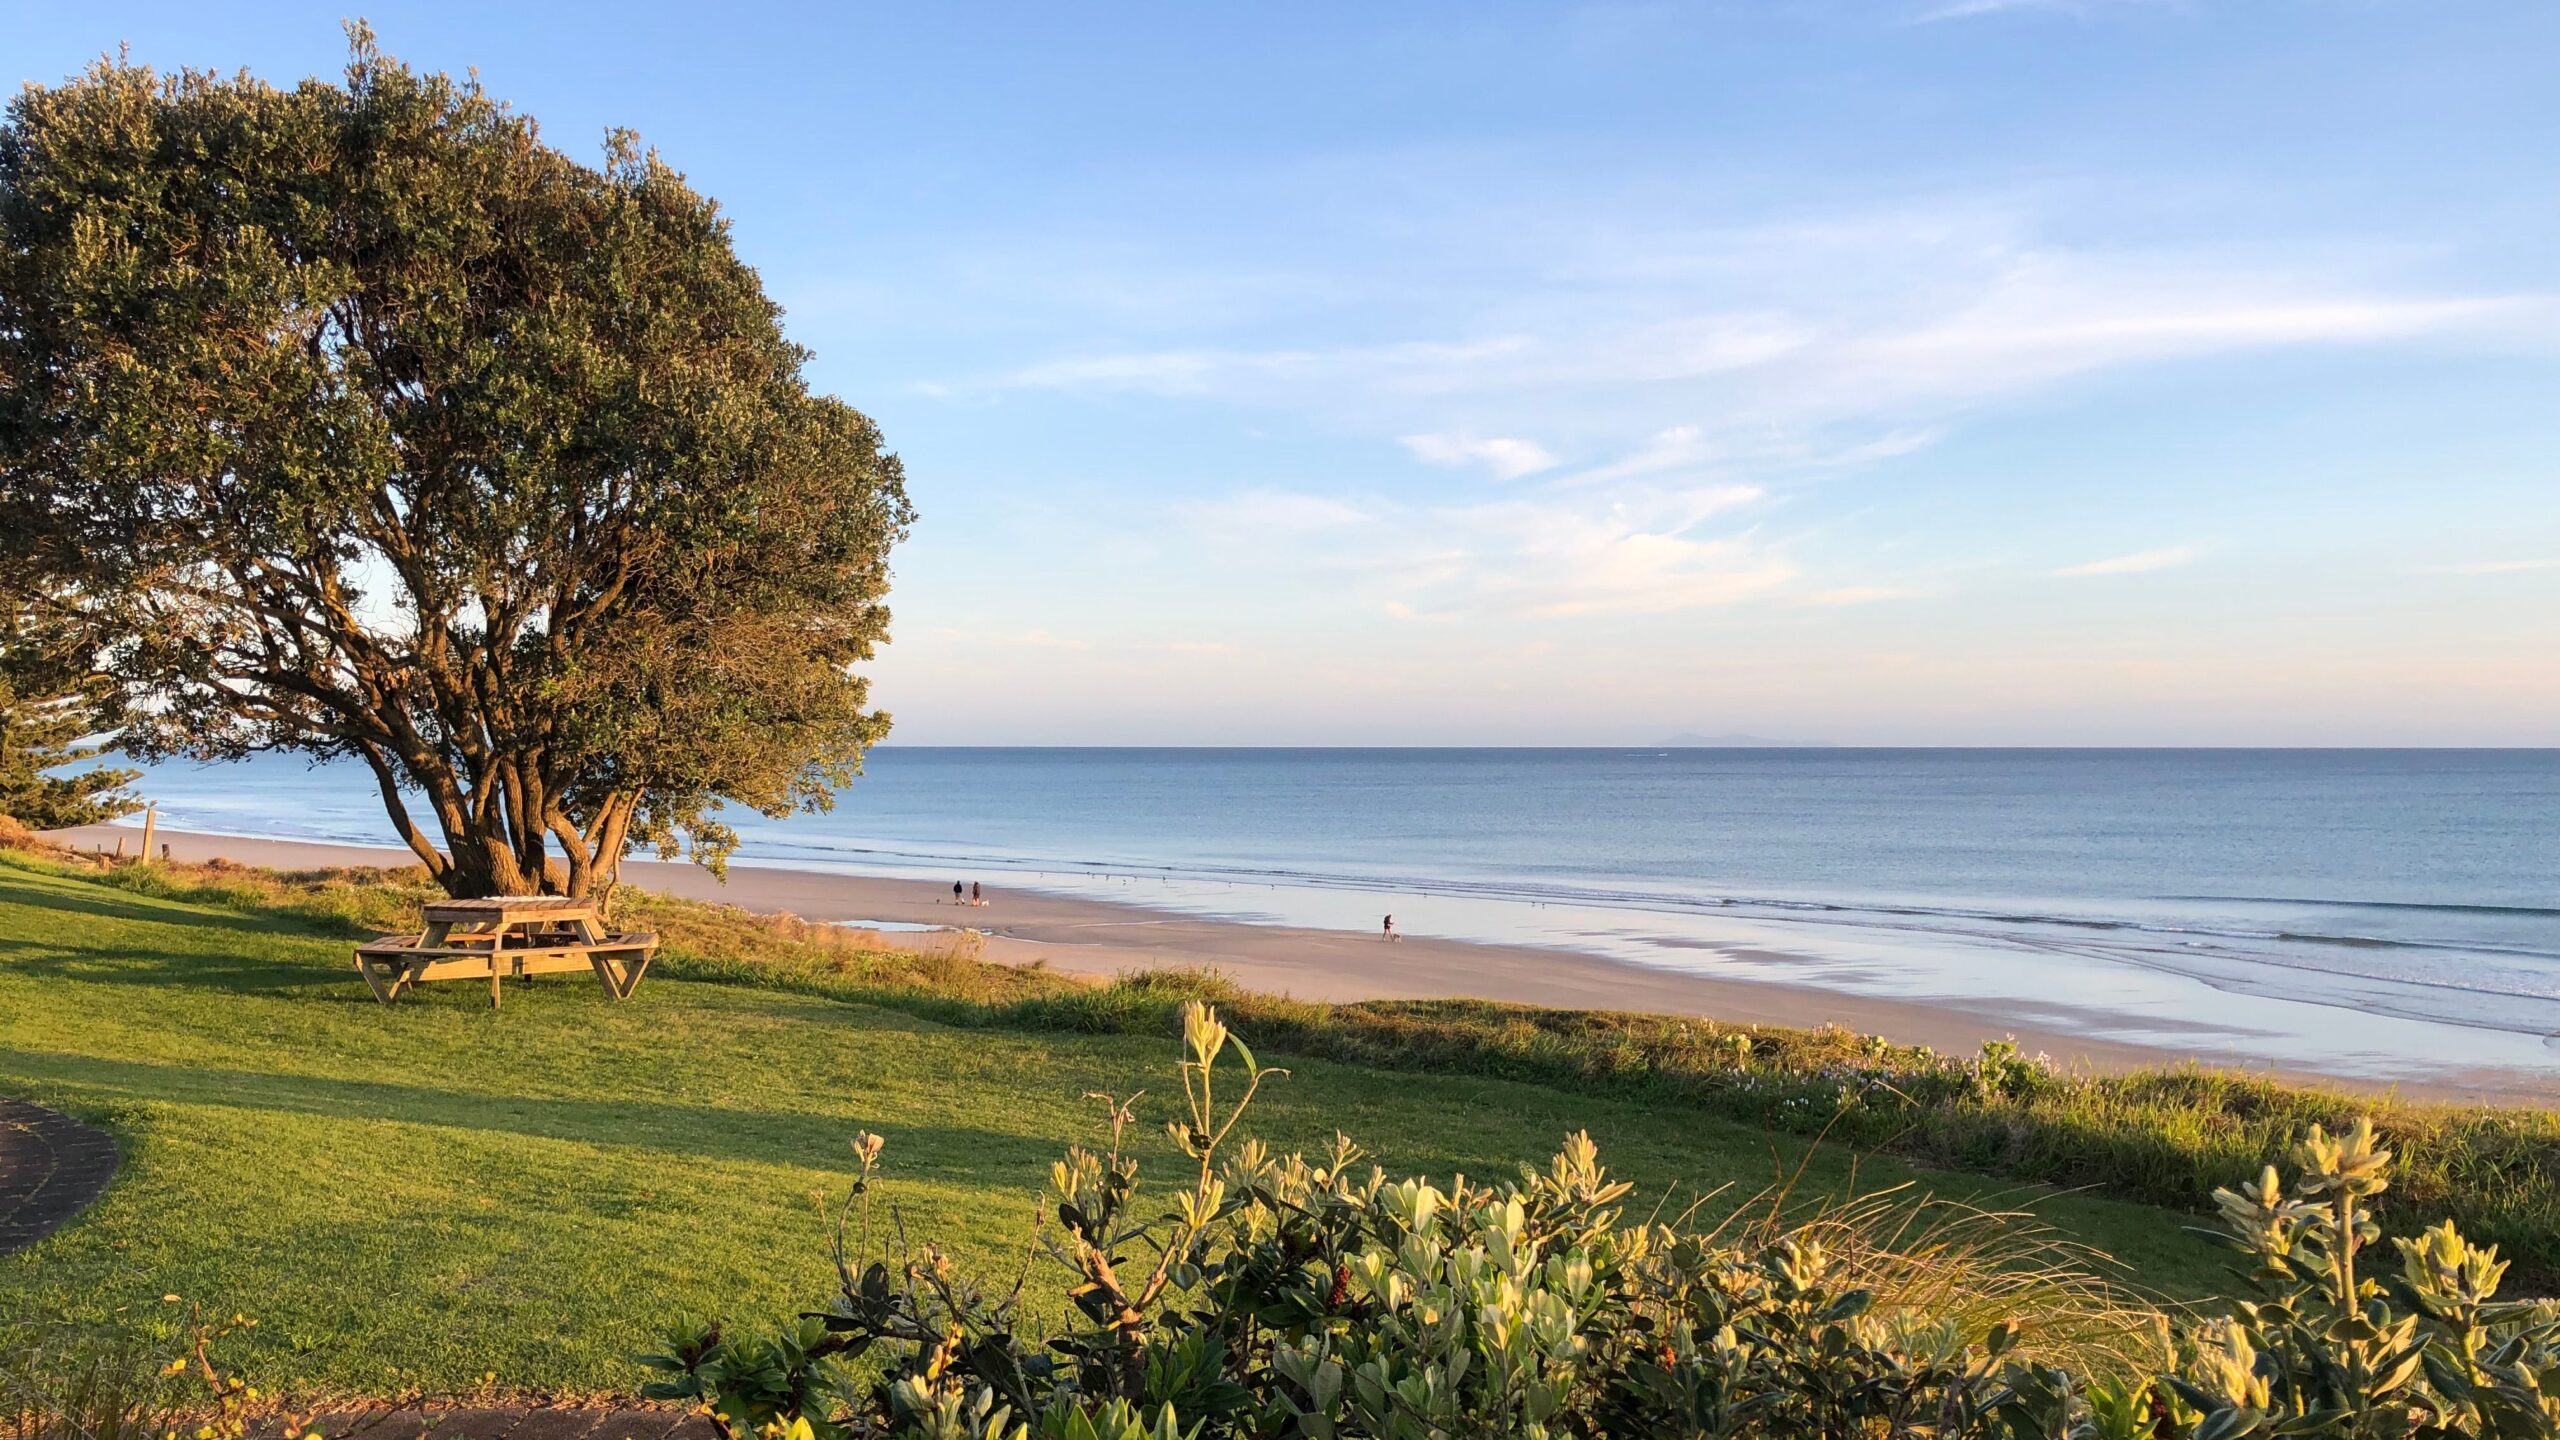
[1914, 371]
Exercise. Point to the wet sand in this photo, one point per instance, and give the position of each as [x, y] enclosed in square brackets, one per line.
[1103, 938]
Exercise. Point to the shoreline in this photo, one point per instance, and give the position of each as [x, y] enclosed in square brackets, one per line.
[1103, 938]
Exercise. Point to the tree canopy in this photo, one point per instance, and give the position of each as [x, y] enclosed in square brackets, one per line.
[355, 420]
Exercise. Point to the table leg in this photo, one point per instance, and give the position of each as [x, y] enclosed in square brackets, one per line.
[365, 969]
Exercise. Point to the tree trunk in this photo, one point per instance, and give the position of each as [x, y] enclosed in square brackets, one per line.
[487, 865]
[496, 849]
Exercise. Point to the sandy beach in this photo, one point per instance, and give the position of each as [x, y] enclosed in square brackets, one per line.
[1102, 938]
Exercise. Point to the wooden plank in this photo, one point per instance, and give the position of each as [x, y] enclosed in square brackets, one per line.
[386, 977]
[493, 904]
[400, 950]
[508, 911]
[473, 967]
[365, 969]
[620, 970]
[394, 951]
[544, 962]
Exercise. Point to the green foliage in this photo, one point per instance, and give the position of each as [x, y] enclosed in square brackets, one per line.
[354, 420]
[756, 1386]
[1289, 1297]
[50, 699]
[60, 1381]
[65, 1381]
[2331, 1351]
[2162, 1136]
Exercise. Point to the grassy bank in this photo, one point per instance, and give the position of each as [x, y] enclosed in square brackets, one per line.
[2161, 1137]
[420, 1196]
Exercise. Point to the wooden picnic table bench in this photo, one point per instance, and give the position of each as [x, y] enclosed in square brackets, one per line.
[508, 935]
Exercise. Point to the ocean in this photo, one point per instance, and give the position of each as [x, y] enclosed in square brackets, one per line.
[2369, 912]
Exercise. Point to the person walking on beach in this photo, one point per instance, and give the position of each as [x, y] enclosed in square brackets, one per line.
[1387, 929]
[976, 895]
[956, 892]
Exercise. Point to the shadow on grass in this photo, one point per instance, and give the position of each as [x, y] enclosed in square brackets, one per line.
[709, 1132]
[84, 899]
[936, 1151]
[158, 970]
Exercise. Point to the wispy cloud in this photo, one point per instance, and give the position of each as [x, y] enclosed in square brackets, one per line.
[1972, 9]
[1263, 514]
[1678, 448]
[1883, 447]
[1967, 9]
[1644, 573]
[1009, 639]
[2139, 562]
[1639, 553]
[1560, 552]
[2046, 323]
[1861, 595]
[1399, 610]
[1508, 458]
[1209, 371]
[2488, 567]
[1952, 327]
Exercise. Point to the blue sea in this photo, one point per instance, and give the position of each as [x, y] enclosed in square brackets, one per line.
[2371, 912]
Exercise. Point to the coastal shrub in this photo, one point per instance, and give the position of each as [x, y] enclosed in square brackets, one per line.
[2164, 1136]
[58, 1382]
[1296, 1296]
[63, 1381]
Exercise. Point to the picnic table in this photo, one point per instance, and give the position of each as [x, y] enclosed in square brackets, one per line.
[507, 935]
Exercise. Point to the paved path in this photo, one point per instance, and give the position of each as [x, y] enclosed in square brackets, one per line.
[51, 1167]
[410, 1422]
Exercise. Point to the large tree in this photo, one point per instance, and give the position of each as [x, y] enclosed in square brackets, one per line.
[361, 423]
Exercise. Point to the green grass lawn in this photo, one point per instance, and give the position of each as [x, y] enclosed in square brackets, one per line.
[420, 1196]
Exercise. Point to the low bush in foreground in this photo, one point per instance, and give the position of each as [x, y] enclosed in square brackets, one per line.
[1287, 1297]
[2163, 1136]
[69, 1382]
